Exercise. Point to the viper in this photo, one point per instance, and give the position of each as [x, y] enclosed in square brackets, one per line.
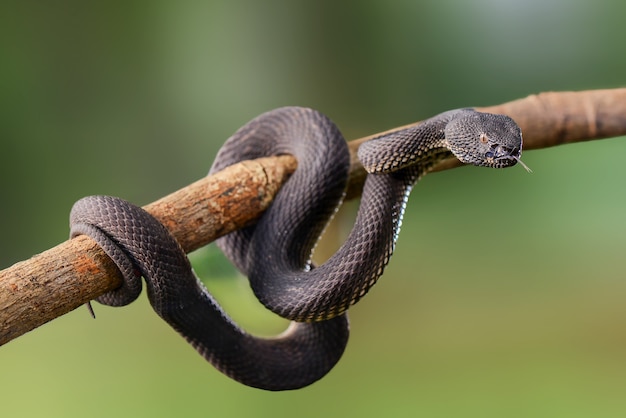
[275, 253]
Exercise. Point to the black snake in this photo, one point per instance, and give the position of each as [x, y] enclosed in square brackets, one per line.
[275, 253]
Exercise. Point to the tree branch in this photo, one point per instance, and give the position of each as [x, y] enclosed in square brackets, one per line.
[50, 284]
[546, 119]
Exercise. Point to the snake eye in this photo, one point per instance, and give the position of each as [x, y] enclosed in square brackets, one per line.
[489, 154]
[483, 139]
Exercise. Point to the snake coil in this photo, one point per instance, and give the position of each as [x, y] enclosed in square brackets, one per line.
[275, 253]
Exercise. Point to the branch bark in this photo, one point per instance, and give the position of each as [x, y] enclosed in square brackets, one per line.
[546, 119]
[50, 284]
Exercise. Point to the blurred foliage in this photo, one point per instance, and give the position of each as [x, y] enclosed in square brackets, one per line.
[505, 295]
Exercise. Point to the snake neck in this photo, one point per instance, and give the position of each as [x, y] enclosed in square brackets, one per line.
[431, 158]
[417, 148]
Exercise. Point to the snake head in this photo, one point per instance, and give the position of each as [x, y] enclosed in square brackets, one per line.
[484, 139]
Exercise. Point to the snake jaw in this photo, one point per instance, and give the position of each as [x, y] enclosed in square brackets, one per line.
[492, 155]
[501, 156]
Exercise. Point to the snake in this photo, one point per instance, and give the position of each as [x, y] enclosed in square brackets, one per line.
[275, 253]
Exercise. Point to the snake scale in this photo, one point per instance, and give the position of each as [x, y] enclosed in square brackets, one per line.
[275, 253]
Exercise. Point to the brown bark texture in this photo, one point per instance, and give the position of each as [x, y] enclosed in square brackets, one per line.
[50, 284]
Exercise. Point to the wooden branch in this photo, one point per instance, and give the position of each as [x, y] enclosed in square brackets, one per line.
[50, 284]
[546, 119]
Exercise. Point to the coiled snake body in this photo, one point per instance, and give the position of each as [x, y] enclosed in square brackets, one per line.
[275, 253]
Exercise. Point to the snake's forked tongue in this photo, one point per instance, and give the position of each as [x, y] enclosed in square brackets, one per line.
[519, 160]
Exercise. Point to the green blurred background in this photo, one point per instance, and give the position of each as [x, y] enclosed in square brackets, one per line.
[505, 295]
